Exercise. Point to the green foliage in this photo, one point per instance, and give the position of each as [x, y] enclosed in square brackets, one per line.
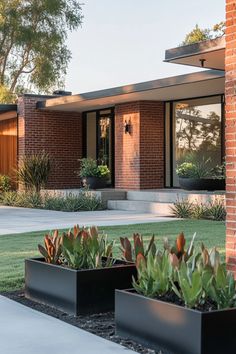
[189, 287]
[214, 210]
[182, 209]
[154, 275]
[86, 249]
[202, 34]
[33, 46]
[194, 169]
[6, 96]
[52, 249]
[130, 251]
[34, 170]
[90, 168]
[5, 183]
[84, 201]
[219, 171]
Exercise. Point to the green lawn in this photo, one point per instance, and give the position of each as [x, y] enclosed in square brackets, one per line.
[15, 248]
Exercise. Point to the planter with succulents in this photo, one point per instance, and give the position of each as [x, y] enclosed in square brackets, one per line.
[182, 300]
[198, 176]
[77, 273]
[93, 175]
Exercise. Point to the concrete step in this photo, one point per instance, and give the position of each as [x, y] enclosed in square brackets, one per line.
[171, 196]
[157, 208]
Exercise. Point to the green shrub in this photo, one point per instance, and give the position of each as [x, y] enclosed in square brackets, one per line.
[9, 198]
[216, 210]
[90, 168]
[34, 170]
[182, 209]
[29, 200]
[5, 183]
[84, 201]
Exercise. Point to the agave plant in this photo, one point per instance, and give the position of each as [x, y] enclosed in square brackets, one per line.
[52, 249]
[130, 252]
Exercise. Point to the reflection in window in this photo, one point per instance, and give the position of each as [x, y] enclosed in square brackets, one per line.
[197, 131]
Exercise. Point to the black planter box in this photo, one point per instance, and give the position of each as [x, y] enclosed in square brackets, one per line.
[94, 182]
[76, 291]
[197, 184]
[159, 324]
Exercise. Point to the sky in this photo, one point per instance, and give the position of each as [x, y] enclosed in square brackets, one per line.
[124, 41]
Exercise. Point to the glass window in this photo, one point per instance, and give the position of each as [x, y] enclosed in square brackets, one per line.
[197, 132]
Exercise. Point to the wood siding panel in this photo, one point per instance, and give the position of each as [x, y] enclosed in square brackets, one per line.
[8, 146]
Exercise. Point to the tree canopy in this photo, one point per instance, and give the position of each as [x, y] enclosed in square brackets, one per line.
[202, 34]
[33, 50]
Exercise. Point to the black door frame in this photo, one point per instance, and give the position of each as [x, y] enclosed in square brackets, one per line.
[84, 140]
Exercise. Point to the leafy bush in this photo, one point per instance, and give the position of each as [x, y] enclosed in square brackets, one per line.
[5, 183]
[182, 209]
[9, 198]
[199, 211]
[28, 200]
[186, 169]
[78, 249]
[90, 168]
[34, 170]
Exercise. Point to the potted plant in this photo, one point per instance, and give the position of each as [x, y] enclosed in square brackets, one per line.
[183, 301]
[77, 272]
[197, 175]
[93, 175]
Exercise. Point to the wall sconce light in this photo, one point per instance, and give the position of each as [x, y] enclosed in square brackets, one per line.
[128, 127]
[202, 62]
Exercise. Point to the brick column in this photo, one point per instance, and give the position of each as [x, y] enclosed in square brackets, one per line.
[139, 156]
[56, 132]
[230, 133]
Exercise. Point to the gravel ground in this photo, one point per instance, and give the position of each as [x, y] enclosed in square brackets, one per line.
[102, 325]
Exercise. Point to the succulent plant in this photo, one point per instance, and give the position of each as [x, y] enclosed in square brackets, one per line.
[52, 249]
[130, 252]
[85, 248]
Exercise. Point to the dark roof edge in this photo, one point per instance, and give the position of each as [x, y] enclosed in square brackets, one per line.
[138, 87]
[8, 107]
[195, 48]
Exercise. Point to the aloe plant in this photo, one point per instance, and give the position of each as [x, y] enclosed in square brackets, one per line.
[52, 249]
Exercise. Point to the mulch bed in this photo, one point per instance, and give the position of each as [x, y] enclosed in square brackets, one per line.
[102, 325]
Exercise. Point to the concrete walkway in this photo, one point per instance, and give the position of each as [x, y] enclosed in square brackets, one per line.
[26, 331]
[18, 220]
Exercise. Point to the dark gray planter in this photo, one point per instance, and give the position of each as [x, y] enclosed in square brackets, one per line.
[209, 184]
[94, 182]
[159, 324]
[76, 291]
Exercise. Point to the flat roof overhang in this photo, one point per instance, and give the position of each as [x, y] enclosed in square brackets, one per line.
[205, 83]
[211, 53]
[8, 111]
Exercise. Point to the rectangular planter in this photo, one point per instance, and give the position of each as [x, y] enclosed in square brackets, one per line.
[159, 324]
[76, 291]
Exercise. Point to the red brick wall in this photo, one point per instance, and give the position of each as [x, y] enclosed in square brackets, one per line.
[139, 156]
[230, 133]
[58, 133]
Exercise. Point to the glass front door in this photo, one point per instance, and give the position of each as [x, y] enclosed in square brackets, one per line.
[100, 138]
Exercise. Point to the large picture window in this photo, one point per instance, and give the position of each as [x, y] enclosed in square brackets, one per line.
[197, 132]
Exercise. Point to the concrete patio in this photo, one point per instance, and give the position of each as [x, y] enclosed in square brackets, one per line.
[26, 331]
[17, 220]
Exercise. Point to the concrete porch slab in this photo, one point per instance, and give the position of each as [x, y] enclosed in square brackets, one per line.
[26, 331]
[17, 220]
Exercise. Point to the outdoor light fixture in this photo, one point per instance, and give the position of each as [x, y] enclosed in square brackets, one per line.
[202, 61]
[128, 127]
